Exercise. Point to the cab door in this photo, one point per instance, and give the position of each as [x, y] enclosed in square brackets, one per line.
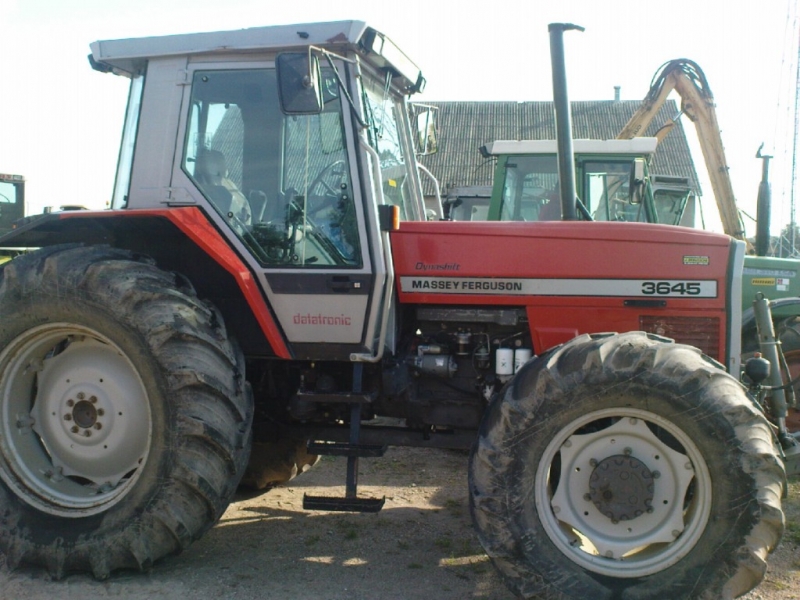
[281, 188]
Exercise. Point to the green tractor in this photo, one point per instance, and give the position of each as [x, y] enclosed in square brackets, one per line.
[12, 207]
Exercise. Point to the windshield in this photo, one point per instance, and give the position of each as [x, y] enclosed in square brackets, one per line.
[384, 112]
[530, 189]
[670, 204]
[11, 204]
[8, 193]
[607, 193]
[281, 181]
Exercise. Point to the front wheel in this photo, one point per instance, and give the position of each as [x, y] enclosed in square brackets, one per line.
[125, 419]
[623, 466]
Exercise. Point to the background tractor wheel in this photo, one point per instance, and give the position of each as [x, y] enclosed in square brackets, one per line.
[274, 463]
[625, 466]
[125, 419]
[788, 332]
[787, 329]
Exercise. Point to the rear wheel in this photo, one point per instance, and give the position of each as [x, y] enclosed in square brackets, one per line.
[125, 420]
[623, 466]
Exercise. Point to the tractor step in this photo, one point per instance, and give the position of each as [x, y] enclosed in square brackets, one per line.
[346, 449]
[351, 449]
[333, 503]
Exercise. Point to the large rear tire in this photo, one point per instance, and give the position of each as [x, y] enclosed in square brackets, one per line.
[625, 466]
[125, 418]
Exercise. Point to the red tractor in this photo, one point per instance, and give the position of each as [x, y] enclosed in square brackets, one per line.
[264, 285]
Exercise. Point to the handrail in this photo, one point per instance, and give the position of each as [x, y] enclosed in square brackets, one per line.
[387, 260]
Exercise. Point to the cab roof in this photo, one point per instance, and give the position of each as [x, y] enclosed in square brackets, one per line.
[639, 146]
[130, 56]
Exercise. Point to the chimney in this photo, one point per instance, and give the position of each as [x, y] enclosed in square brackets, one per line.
[616, 93]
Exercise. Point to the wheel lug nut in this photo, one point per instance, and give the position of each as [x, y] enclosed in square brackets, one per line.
[93, 399]
[68, 417]
[592, 463]
[98, 425]
[81, 395]
[74, 429]
[87, 433]
[70, 402]
[100, 412]
[628, 451]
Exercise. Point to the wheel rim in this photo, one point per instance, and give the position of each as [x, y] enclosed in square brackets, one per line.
[792, 358]
[76, 421]
[620, 499]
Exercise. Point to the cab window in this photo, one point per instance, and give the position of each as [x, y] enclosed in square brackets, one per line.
[383, 112]
[281, 182]
[530, 189]
[607, 193]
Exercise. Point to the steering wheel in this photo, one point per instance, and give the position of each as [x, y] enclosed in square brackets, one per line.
[328, 189]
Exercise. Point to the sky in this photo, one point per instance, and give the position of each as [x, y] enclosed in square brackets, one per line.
[60, 121]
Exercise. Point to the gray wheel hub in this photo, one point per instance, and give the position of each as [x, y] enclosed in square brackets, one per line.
[621, 487]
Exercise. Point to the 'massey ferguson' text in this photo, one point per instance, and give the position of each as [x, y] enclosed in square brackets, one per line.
[443, 284]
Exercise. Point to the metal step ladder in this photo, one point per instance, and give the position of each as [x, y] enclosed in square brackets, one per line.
[351, 449]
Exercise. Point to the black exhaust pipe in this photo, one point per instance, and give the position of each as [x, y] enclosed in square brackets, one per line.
[763, 207]
[566, 158]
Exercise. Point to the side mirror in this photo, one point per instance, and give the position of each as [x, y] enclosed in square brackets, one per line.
[637, 181]
[298, 83]
[426, 130]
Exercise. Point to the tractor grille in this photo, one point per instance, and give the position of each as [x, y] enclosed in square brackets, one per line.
[701, 332]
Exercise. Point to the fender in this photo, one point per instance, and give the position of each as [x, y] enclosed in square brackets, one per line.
[146, 231]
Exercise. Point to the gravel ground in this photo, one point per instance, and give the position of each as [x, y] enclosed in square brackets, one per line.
[421, 546]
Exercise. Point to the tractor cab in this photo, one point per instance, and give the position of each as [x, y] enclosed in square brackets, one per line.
[289, 150]
[612, 178]
[12, 200]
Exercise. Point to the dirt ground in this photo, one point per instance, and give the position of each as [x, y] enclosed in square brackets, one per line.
[421, 546]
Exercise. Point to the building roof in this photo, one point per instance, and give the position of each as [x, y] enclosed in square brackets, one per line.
[466, 126]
